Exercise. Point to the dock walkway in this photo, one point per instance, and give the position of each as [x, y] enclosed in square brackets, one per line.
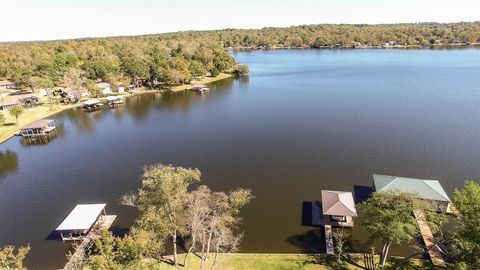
[76, 259]
[329, 240]
[435, 254]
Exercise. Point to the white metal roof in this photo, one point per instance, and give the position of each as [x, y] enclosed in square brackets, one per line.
[424, 188]
[91, 102]
[82, 217]
[112, 98]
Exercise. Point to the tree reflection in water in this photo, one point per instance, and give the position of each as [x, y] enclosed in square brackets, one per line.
[8, 162]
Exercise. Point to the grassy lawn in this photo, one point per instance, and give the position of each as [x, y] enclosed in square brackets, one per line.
[30, 115]
[205, 80]
[275, 262]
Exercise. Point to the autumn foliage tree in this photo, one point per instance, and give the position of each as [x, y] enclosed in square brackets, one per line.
[11, 260]
[465, 241]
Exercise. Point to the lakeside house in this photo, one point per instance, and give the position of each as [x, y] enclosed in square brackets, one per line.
[28, 100]
[104, 87]
[9, 104]
[38, 128]
[6, 84]
[23, 100]
[426, 189]
[74, 93]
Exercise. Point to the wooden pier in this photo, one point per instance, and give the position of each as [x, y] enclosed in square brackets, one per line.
[76, 259]
[329, 248]
[433, 251]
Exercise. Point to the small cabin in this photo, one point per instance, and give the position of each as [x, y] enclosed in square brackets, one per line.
[338, 208]
[73, 93]
[104, 87]
[425, 189]
[9, 104]
[38, 128]
[81, 220]
[5, 84]
[28, 100]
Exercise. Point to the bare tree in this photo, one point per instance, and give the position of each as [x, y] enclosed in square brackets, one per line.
[74, 80]
[197, 211]
[340, 236]
[129, 199]
[213, 219]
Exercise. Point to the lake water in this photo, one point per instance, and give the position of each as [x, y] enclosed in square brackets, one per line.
[302, 121]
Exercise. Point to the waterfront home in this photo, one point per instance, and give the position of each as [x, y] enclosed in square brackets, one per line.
[74, 93]
[338, 208]
[81, 220]
[425, 189]
[104, 87]
[9, 104]
[38, 128]
[5, 84]
[28, 100]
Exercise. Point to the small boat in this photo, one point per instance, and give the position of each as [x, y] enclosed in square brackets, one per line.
[200, 88]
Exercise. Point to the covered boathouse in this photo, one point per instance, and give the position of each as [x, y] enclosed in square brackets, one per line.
[38, 128]
[425, 189]
[338, 208]
[82, 219]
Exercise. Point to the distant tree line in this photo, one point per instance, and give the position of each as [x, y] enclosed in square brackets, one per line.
[348, 35]
[175, 58]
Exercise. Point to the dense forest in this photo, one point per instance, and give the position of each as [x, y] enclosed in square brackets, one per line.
[176, 58]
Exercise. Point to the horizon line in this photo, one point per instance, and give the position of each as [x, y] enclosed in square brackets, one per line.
[221, 29]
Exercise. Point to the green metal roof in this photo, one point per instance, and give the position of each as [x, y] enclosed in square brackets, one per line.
[425, 188]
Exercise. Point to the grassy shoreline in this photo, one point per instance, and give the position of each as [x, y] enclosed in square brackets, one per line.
[45, 110]
[205, 80]
[267, 261]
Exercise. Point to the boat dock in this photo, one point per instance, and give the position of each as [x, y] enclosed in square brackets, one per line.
[76, 259]
[39, 128]
[433, 251]
[82, 226]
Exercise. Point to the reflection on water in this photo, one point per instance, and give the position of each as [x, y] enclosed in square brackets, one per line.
[81, 119]
[140, 106]
[8, 162]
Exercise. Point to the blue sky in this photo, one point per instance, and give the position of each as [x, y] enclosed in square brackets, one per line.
[55, 19]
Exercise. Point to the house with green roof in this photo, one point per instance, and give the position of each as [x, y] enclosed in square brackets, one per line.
[426, 189]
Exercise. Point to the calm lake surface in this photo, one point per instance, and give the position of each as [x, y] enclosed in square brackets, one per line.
[302, 121]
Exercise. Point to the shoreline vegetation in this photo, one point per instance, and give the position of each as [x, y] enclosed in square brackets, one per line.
[359, 47]
[273, 261]
[44, 109]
